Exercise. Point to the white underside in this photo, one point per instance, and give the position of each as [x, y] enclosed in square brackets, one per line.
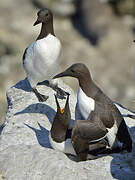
[111, 136]
[65, 146]
[42, 59]
[86, 104]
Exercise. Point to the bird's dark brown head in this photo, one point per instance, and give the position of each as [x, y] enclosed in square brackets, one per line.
[78, 70]
[44, 16]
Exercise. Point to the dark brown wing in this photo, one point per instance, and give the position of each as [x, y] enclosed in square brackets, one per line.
[84, 132]
[90, 130]
[24, 55]
[105, 112]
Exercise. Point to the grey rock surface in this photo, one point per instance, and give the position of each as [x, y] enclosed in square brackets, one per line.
[25, 151]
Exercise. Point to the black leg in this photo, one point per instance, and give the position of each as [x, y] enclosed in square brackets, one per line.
[110, 151]
[102, 147]
[98, 147]
[45, 83]
[40, 97]
[60, 92]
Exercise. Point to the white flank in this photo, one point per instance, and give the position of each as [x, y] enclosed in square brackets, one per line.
[111, 136]
[85, 103]
[42, 59]
[98, 139]
[65, 146]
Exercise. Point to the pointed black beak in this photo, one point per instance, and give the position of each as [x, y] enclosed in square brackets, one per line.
[63, 74]
[67, 101]
[37, 22]
[57, 103]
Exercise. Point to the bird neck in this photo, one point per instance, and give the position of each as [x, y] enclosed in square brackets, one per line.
[45, 30]
[59, 130]
[88, 86]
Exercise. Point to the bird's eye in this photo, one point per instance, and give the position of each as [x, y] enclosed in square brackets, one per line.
[47, 14]
[72, 70]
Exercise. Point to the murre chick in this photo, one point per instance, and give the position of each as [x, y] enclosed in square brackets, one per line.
[84, 139]
[88, 99]
[42, 58]
[60, 135]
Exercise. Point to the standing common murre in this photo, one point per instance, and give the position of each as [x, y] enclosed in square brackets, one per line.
[91, 99]
[42, 58]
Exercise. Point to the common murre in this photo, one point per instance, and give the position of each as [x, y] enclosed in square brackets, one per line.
[42, 58]
[88, 99]
[83, 140]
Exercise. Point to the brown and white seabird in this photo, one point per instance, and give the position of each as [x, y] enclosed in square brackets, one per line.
[42, 58]
[91, 99]
[83, 139]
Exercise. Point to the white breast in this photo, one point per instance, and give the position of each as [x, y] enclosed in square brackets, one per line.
[43, 58]
[85, 104]
[65, 146]
[111, 136]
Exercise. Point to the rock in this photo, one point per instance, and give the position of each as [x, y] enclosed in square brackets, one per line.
[59, 7]
[124, 7]
[4, 49]
[94, 18]
[25, 151]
